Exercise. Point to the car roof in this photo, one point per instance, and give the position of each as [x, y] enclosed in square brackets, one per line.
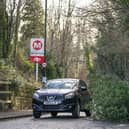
[64, 79]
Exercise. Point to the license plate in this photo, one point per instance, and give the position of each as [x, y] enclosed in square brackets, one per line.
[51, 102]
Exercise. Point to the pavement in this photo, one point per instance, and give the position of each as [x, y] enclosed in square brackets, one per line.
[15, 114]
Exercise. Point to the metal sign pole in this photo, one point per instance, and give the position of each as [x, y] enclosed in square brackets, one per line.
[37, 66]
[45, 28]
[45, 40]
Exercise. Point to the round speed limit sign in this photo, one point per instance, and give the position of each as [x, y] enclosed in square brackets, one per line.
[44, 65]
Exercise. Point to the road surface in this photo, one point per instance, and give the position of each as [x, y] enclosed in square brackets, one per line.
[62, 121]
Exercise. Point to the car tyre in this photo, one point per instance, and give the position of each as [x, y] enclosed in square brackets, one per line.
[36, 114]
[87, 112]
[53, 114]
[76, 111]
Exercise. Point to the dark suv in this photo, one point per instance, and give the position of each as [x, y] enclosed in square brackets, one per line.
[61, 95]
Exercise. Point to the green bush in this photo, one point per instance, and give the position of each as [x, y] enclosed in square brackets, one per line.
[110, 98]
[24, 64]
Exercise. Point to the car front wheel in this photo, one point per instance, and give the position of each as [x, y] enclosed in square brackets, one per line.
[87, 112]
[36, 114]
[76, 111]
[53, 114]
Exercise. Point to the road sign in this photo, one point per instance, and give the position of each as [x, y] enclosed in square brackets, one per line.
[44, 65]
[44, 79]
[37, 50]
[37, 47]
[37, 59]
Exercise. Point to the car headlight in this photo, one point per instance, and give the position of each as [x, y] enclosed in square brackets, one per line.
[69, 96]
[36, 96]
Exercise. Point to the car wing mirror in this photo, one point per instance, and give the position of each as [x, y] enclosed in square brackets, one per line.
[83, 88]
[37, 88]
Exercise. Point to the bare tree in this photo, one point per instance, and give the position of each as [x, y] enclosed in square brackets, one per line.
[61, 35]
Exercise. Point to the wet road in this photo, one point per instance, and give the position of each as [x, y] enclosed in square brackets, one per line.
[62, 121]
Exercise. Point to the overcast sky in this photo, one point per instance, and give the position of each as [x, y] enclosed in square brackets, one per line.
[79, 3]
[83, 2]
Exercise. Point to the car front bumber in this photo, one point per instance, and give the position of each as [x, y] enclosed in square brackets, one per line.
[66, 105]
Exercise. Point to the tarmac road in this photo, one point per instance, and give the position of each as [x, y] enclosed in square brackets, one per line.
[62, 121]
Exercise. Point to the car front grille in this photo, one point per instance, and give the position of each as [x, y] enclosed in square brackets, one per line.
[48, 97]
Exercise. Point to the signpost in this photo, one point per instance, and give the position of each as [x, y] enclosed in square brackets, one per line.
[37, 52]
[38, 49]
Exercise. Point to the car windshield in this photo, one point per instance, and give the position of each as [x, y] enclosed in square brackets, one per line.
[59, 85]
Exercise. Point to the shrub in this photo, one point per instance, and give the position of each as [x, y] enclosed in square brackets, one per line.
[110, 98]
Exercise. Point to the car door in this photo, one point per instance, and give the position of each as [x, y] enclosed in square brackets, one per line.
[84, 94]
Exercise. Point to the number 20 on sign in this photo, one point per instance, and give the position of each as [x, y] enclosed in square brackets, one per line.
[37, 50]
